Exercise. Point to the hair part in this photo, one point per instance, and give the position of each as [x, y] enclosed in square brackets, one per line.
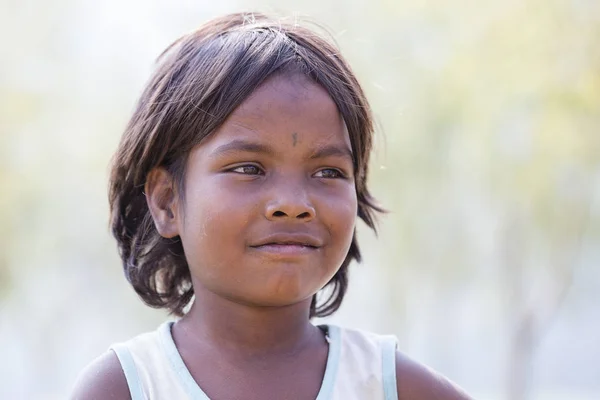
[199, 81]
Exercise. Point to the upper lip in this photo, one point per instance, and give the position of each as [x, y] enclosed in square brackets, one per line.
[297, 238]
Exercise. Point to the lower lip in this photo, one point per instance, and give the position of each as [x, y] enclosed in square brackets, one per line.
[286, 249]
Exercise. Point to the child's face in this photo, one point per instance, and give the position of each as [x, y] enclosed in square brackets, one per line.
[270, 202]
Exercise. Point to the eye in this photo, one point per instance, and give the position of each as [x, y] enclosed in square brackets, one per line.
[329, 173]
[247, 169]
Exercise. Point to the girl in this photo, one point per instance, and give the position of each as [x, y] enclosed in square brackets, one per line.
[234, 195]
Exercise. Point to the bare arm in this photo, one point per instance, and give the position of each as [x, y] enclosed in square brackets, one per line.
[103, 378]
[417, 382]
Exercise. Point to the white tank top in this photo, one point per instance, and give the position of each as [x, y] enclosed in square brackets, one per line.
[360, 365]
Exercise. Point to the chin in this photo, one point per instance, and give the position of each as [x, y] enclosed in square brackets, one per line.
[280, 296]
[287, 302]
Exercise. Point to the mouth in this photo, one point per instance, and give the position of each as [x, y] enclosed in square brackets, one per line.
[288, 245]
[293, 244]
[292, 249]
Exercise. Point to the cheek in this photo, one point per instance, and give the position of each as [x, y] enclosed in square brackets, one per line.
[341, 215]
[214, 220]
[349, 217]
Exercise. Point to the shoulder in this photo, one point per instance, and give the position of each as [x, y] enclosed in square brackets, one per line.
[416, 381]
[103, 378]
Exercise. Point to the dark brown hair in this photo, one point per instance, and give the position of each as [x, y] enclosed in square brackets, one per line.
[200, 79]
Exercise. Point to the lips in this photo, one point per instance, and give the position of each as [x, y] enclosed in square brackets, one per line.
[288, 239]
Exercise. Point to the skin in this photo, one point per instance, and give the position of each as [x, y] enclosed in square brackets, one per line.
[269, 172]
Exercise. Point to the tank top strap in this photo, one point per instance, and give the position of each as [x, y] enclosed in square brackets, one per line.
[130, 371]
[388, 361]
[332, 333]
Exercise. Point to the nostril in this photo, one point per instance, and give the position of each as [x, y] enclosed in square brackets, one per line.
[278, 214]
[305, 214]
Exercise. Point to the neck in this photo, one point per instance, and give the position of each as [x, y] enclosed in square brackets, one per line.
[248, 329]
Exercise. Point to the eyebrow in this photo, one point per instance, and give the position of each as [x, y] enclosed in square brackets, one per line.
[239, 146]
[329, 151]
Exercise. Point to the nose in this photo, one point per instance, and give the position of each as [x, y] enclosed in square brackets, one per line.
[289, 201]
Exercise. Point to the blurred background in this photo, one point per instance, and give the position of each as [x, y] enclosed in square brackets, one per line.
[487, 267]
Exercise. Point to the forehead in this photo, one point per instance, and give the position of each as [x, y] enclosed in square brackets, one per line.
[290, 93]
[287, 107]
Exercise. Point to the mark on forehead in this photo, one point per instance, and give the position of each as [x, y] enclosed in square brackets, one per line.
[294, 138]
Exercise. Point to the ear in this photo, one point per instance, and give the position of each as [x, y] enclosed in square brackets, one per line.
[162, 200]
